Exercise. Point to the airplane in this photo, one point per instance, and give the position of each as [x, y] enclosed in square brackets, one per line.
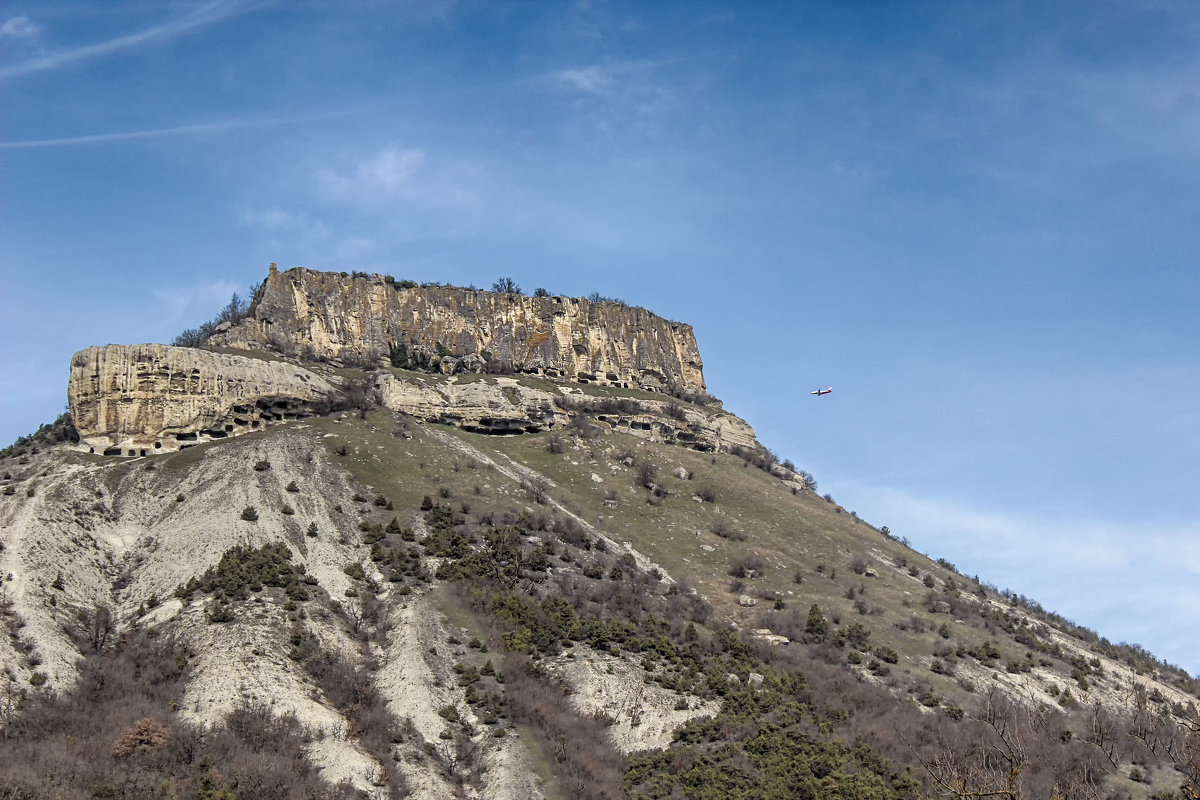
[820, 392]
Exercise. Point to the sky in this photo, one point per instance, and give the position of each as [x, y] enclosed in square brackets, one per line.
[978, 222]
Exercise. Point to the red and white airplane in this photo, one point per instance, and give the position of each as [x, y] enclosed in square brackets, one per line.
[820, 392]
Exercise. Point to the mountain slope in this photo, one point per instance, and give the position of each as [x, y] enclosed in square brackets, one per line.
[624, 596]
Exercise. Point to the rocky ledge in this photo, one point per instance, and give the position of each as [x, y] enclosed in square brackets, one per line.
[146, 398]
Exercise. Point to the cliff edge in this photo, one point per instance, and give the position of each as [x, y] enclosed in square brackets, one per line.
[375, 320]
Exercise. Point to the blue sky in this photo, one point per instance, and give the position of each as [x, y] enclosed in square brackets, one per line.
[979, 222]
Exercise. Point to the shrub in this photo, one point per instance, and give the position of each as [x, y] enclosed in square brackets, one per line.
[747, 567]
[537, 489]
[292, 487]
[221, 612]
[250, 514]
[816, 626]
[726, 531]
[262, 465]
[646, 474]
[144, 737]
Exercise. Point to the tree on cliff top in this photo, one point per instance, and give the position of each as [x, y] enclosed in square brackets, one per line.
[507, 286]
[234, 312]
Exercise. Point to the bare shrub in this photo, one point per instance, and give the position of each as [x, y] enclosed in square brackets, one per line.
[579, 745]
[751, 566]
[538, 490]
[144, 737]
[726, 531]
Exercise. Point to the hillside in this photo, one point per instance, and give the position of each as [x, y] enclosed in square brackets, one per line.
[530, 581]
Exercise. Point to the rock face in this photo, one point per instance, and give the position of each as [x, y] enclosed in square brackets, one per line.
[142, 399]
[145, 398]
[372, 320]
[503, 405]
[480, 407]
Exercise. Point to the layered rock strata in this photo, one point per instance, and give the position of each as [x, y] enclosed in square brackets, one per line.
[503, 405]
[376, 320]
[146, 398]
[481, 407]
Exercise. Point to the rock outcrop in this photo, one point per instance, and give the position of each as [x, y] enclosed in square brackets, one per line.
[142, 399]
[478, 406]
[145, 398]
[503, 405]
[374, 320]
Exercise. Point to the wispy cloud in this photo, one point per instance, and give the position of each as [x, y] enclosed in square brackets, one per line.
[616, 96]
[590, 80]
[271, 219]
[123, 136]
[620, 78]
[277, 220]
[196, 129]
[19, 28]
[194, 303]
[1137, 582]
[208, 14]
[387, 172]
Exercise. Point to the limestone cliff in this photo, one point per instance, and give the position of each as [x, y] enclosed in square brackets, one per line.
[135, 399]
[370, 320]
[504, 405]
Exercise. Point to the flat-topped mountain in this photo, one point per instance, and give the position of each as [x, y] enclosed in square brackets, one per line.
[372, 539]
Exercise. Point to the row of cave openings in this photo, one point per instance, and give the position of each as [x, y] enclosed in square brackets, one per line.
[607, 379]
[244, 420]
[668, 433]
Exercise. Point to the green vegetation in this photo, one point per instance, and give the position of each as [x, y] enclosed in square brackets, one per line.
[243, 571]
[60, 430]
[233, 313]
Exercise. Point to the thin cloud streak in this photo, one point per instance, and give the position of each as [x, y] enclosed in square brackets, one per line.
[206, 15]
[221, 126]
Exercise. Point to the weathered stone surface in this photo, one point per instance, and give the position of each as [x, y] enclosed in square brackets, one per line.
[367, 320]
[146, 398]
[484, 407]
[769, 636]
[505, 405]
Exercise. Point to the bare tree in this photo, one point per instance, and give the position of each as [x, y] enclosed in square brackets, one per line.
[100, 627]
[506, 286]
[1184, 748]
[998, 758]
